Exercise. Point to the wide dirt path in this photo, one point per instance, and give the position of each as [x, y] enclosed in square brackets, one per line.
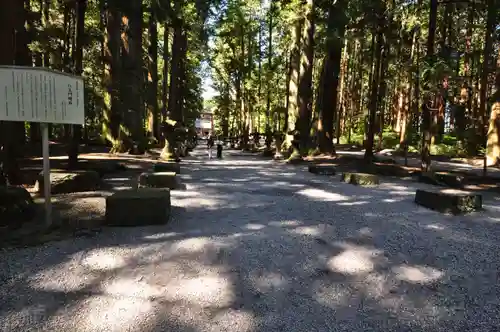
[254, 245]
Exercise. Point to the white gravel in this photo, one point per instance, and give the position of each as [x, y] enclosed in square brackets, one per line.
[258, 246]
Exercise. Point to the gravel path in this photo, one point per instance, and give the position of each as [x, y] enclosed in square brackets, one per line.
[259, 246]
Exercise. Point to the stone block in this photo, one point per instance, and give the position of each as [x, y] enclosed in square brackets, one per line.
[103, 168]
[141, 207]
[167, 167]
[158, 180]
[16, 206]
[267, 153]
[449, 201]
[442, 179]
[322, 169]
[295, 160]
[360, 179]
[278, 156]
[69, 182]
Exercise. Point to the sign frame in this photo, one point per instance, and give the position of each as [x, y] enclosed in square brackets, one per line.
[49, 103]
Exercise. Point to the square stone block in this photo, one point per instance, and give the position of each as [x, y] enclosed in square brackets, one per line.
[158, 180]
[69, 182]
[167, 167]
[322, 169]
[449, 201]
[138, 207]
[361, 179]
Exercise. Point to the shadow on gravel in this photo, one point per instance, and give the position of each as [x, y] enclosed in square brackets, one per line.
[269, 248]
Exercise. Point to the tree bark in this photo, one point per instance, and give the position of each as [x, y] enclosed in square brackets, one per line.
[293, 88]
[486, 68]
[174, 115]
[374, 92]
[175, 73]
[166, 71]
[341, 94]
[330, 78]
[269, 75]
[382, 90]
[305, 84]
[154, 116]
[45, 4]
[132, 86]
[81, 7]
[431, 102]
[112, 80]
[14, 40]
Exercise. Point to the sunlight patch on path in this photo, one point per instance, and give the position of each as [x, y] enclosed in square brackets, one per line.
[417, 274]
[308, 230]
[271, 281]
[354, 260]
[102, 260]
[107, 313]
[210, 290]
[322, 195]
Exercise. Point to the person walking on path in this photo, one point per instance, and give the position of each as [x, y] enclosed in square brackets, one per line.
[219, 148]
[210, 144]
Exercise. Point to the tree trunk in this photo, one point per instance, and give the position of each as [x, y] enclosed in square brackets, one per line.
[330, 78]
[305, 84]
[487, 67]
[249, 95]
[341, 94]
[383, 88]
[293, 88]
[81, 7]
[288, 68]
[493, 140]
[112, 57]
[34, 128]
[174, 114]
[225, 116]
[369, 92]
[269, 76]
[175, 73]
[132, 87]
[438, 118]
[407, 104]
[464, 109]
[153, 110]
[242, 92]
[374, 92]
[415, 123]
[431, 102]
[166, 62]
[14, 40]
[45, 4]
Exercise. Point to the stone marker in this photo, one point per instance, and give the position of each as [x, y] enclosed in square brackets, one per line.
[16, 206]
[138, 207]
[360, 179]
[167, 167]
[295, 161]
[158, 180]
[322, 169]
[69, 182]
[442, 179]
[267, 153]
[449, 201]
[103, 168]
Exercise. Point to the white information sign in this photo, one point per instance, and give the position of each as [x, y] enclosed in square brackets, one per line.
[203, 124]
[40, 95]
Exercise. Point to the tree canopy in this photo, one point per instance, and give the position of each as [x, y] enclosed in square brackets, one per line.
[415, 76]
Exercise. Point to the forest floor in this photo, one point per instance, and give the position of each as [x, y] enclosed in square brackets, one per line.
[258, 245]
